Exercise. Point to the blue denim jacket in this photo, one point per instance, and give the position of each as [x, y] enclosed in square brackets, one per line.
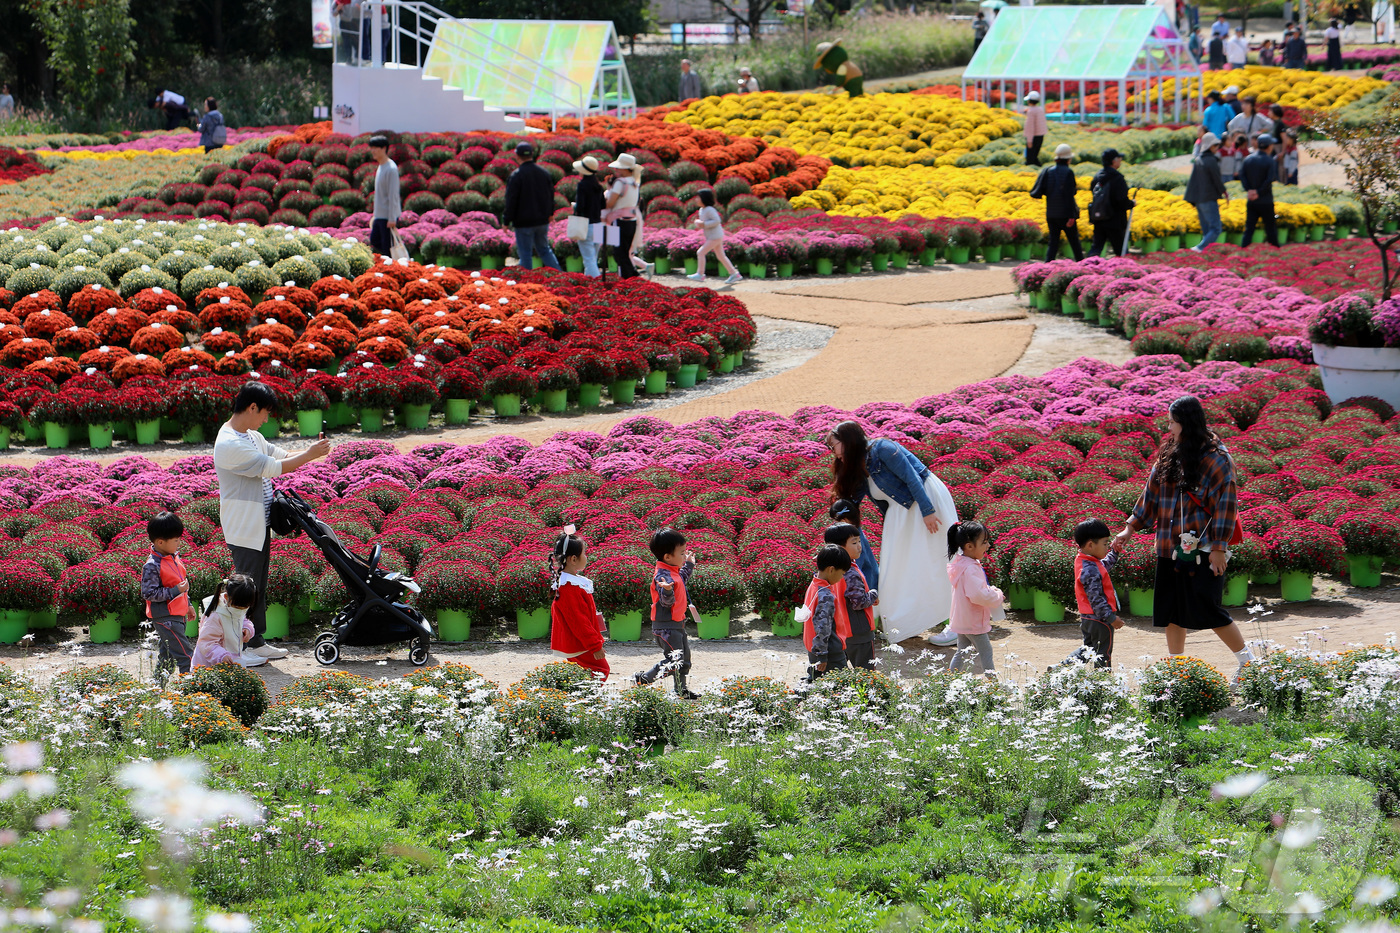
[899, 474]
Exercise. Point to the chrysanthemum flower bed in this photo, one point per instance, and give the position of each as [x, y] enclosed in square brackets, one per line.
[1030, 457]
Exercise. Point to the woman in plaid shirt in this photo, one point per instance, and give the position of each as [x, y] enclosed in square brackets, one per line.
[1190, 492]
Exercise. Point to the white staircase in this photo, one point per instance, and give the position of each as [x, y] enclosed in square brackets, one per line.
[404, 99]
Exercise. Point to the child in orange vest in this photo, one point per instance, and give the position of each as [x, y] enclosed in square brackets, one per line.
[165, 586]
[1098, 603]
[825, 626]
[576, 630]
[858, 600]
[669, 604]
[975, 603]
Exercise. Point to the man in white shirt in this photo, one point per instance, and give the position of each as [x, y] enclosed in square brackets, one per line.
[245, 464]
[176, 113]
[747, 83]
[1236, 50]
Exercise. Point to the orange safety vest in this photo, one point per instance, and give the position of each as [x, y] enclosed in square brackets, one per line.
[1082, 597]
[842, 622]
[678, 608]
[869, 611]
[172, 573]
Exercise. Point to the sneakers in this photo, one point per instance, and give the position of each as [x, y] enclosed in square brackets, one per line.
[734, 279]
[944, 639]
[266, 651]
[650, 268]
[248, 659]
[687, 694]
[640, 679]
[696, 277]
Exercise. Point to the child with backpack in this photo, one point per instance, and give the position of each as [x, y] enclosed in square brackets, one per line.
[824, 624]
[165, 586]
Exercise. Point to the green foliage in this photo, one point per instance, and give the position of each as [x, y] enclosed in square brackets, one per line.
[86, 681]
[1184, 688]
[90, 46]
[231, 684]
[564, 676]
[1286, 682]
[650, 715]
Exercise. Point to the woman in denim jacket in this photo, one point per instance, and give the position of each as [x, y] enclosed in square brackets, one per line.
[915, 594]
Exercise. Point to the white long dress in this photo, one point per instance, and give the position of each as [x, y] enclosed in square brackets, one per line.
[915, 593]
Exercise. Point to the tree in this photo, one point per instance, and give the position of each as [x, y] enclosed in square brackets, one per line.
[90, 47]
[1367, 152]
[749, 13]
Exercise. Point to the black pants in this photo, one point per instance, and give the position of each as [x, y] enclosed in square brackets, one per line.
[672, 642]
[176, 116]
[379, 239]
[1111, 235]
[1057, 226]
[835, 660]
[1033, 150]
[622, 252]
[1097, 638]
[176, 649]
[1255, 212]
[861, 653]
[254, 564]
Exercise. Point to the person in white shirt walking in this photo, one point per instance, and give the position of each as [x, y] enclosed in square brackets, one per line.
[747, 83]
[1036, 128]
[709, 221]
[1250, 121]
[245, 464]
[1236, 50]
[387, 205]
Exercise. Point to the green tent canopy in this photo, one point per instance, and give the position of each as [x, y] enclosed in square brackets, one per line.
[1084, 50]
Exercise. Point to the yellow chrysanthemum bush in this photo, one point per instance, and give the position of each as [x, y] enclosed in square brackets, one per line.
[1310, 90]
[882, 130]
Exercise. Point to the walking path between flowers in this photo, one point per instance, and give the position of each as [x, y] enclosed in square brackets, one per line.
[1311, 169]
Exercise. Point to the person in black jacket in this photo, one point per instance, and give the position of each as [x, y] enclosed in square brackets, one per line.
[588, 202]
[529, 205]
[1206, 189]
[1057, 185]
[1258, 175]
[1113, 228]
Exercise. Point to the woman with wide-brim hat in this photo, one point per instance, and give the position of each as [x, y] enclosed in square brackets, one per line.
[624, 210]
[588, 202]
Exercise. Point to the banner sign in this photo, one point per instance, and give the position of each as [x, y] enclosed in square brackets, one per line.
[320, 24]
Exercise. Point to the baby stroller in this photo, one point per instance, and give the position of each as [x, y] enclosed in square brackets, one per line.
[376, 615]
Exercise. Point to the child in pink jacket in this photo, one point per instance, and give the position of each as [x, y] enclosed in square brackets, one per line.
[973, 600]
[226, 626]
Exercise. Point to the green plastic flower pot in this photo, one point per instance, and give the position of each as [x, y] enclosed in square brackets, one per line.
[532, 624]
[655, 382]
[685, 379]
[758, 270]
[340, 413]
[958, 255]
[1023, 252]
[371, 420]
[663, 265]
[1019, 597]
[899, 259]
[1140, 602]
[1263, 579]
[1236, 590]
[612, 264]
[880, 262]
[1259, 236]
[1296, 586]
[4, 438]
[454, 625]
[590, 395]
[491, 262]
[56, 436]
[1189, 240]
[555, 400]
[43, 618]
[783, 624]
[506, 405]
[726, 363]
[702, 373]
[99, 436]
[194, 434]
[300, 613]
[823, 266]
[279, 620]
[928, 257]
[105, 630]
[14, 625]
[192, 628]
[309, 423]
[32, 431]
[1152, 245]
[739, 359]
[784, 270]
[623, 391]
[714, 625]
[1091, 315]
[854, 267]
[271, 429]
[1365, 569]
[692, 265]
[1047, 607]
[992, 253]
[1317, 232]
[147, 432]
[1067, 306]
[573, 264]
[457, 410]
[1171, 243]
[1235, 236]
[625, 626]
[415, 417]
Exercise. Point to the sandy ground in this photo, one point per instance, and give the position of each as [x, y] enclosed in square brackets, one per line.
[843, 353]
[1312, 170]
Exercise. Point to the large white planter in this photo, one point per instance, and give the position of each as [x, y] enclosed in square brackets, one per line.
[1350, 372]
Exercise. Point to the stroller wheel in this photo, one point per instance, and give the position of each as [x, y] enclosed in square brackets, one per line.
[418, 651]
[325, 636]
[327, 651]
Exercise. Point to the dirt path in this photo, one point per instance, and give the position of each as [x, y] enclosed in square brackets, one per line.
[1312, 170]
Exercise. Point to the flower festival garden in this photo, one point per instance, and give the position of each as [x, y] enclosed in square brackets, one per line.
[476, 408]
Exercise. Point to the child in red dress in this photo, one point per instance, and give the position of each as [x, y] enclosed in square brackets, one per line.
[576, 627]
